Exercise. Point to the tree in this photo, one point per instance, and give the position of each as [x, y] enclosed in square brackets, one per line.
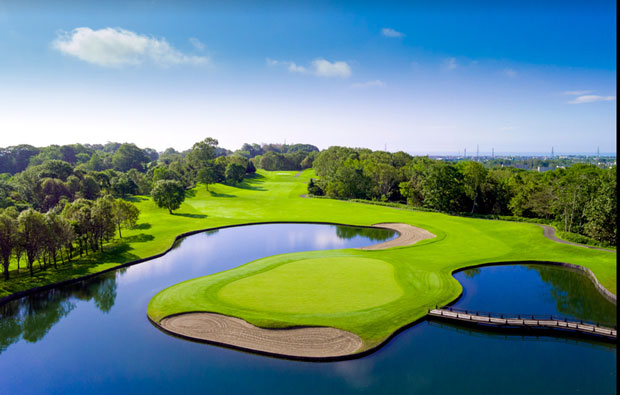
[601, 210]
[55, 234]
[30, 224]
[102, 218]
[79, 215]
[208, 174]
[234, 173]
[125, 215]
[8, 240]
[123, 185]
[474, 176]
[202, 152]
[168, 194]
[128, 156]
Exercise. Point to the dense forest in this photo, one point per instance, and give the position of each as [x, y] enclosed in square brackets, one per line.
[58, 202]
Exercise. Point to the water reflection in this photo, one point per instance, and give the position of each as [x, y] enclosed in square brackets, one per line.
[30, 318]
[534, 289]
[374, 234]
[575, 295]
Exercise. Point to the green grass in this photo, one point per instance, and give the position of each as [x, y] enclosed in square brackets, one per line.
[420, 274]
[315, 286]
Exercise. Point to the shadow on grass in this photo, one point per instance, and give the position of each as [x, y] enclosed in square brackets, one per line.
[139, 238]
[222, 195]
[190, 193]
[190, 215]
[252, 182]
[142, 226]
[135, 199]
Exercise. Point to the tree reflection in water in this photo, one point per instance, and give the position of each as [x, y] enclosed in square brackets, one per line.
[575, 295]
[374, 234]
[31, 318]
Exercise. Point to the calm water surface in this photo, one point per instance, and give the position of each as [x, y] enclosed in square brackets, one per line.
[96, 338]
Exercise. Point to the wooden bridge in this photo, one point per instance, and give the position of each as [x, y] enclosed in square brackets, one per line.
[523, 322]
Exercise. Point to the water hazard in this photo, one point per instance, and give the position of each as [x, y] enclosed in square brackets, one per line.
[95, 336]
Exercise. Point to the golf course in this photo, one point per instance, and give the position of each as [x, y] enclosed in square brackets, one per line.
[370, 293]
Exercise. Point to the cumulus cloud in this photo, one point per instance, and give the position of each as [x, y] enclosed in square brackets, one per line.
[591, 99]
[325, 68]
[450, 64]
[115, 47]
[368, 84]
[318, 67]
[389, 32]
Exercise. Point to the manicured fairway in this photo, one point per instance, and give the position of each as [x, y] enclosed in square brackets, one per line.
[370, 293]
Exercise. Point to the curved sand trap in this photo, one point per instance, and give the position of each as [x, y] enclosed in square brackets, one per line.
[408, 235]
[309, 342]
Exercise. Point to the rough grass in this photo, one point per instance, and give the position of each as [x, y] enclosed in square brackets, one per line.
[423, 271]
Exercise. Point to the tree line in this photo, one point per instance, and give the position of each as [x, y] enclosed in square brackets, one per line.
[62, 232]
[579, 199]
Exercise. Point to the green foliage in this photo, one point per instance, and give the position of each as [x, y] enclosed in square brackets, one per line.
[168, 194]
[128, 156]
[8, 240]
[202, 152]
[209, 174]
[234, 173]
[125, 215]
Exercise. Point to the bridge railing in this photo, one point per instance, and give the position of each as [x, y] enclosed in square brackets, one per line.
[537, 317]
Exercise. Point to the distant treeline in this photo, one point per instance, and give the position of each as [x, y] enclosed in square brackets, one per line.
[579, 199]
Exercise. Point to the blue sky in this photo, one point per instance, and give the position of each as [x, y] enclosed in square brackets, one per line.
[520, 77]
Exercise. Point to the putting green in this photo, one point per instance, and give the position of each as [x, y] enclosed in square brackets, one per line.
[316, 286]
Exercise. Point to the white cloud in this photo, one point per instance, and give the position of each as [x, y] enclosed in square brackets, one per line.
[450, 64]
[325, 68]
[389, 32]
[591, 99]
[115, 47]
[197, 43]
[577, 93]
[368, 84]
[294, 68]
[510, 73]
[318, 67]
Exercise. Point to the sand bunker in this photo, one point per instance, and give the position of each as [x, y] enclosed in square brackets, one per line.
[408, 235]
[310, 342]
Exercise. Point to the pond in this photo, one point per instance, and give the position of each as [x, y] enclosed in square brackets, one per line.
[95, 336]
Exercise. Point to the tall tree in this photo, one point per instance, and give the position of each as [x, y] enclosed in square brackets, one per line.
[128, 156]
[474, 176]
[8, 240]
[30, 223]
[202, 152]
[168, 194]
[234, 173]
[125, 215]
